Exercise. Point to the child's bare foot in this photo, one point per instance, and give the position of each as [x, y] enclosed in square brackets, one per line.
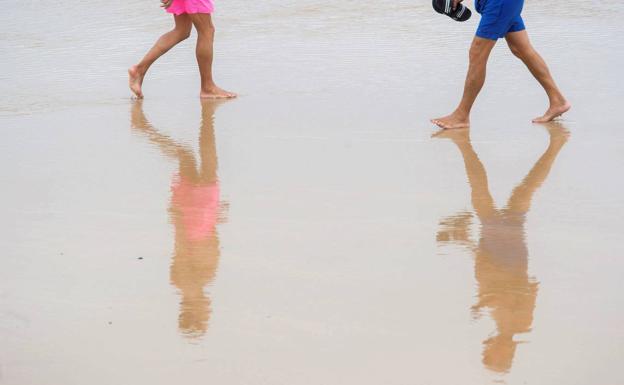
[135, 80]
[454, 120]
[554, 111]
[215, 92]
[457, 135]
[138, 121]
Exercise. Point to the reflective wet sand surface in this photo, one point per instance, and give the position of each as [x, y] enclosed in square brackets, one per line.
[318, 230]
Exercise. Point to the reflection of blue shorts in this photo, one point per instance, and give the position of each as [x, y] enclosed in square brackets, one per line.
[499, 17]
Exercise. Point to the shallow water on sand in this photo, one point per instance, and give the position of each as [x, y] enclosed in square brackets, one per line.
[312, 231]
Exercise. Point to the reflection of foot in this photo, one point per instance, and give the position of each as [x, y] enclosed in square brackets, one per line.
[210, 105]
[558, 133]
[138, 121]
[457, 135]
[453, 121]
[215, 92]
[135, 80]
[554, 111]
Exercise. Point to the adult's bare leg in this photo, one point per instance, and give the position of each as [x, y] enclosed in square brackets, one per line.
[479, 54]
[520, 45]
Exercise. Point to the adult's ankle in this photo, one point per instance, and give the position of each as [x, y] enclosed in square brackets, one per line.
[557, 100]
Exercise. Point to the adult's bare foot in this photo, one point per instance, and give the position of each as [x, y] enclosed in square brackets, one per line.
[559, 134]
[215, 92]
[554, 111]
[452, 121]
[135, 81]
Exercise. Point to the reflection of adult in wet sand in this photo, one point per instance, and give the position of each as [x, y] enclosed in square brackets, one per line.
[194, 212]
[501, 255]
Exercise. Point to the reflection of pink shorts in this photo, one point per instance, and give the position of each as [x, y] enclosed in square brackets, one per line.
[179, 7]
[198, 206]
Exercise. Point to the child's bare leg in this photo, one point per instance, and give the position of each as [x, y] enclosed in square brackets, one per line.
[180, 32]
[204, 52]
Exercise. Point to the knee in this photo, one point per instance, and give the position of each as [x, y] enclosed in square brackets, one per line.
[475, 55]
[182, 34]
[480, 50]
[185, 34]
[208, 29]
[521, 52]
[516, 51]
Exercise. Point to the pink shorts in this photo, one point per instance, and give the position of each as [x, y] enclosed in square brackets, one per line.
[179, 7]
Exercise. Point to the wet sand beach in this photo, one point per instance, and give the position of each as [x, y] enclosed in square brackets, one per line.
[318, 229]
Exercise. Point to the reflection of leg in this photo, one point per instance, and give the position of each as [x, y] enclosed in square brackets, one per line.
[520, 45]
[477, 176]
[168, 146]
[167, 41]
[204, 51]
[520, 200]
[479, 54]
[207, 143]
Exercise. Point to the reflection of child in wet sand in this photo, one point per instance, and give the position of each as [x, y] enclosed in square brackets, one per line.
[501, 255]
[186, 14]
[194, 212]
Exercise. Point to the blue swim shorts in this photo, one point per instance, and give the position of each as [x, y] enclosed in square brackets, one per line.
[499, 17]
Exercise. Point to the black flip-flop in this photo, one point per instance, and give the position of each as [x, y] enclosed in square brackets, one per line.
[445, 7]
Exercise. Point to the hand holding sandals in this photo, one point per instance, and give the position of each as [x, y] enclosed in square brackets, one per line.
[453, 9]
